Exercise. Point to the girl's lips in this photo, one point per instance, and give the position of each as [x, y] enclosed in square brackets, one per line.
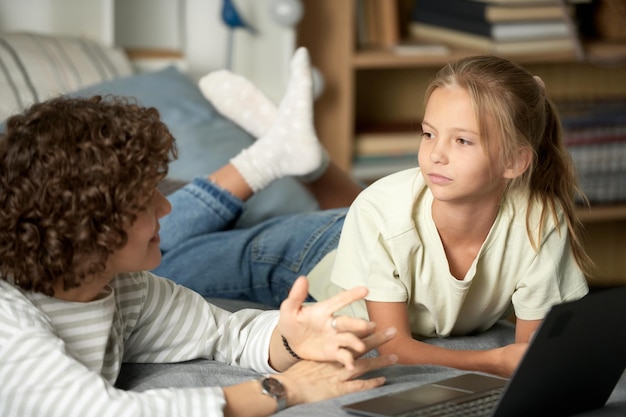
[439, 179]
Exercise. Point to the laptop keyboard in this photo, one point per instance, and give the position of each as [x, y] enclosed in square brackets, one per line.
[473, 407]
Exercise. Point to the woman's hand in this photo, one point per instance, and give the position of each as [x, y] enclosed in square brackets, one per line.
[313, 332]
[305, 382]
[309, 381]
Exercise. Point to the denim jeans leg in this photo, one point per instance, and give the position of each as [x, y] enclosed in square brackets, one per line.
[199, 208]
[258, 264]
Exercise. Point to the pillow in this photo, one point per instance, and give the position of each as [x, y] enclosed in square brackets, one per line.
[34, 67]
[173, 93]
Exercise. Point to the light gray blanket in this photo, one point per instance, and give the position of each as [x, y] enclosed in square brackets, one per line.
[211, 373]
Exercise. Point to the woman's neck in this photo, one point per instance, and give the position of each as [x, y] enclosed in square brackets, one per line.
[90, 290]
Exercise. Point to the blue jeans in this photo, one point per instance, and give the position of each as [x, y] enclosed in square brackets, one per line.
[202, 251]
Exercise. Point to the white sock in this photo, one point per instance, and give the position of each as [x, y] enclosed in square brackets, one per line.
[287, 143]
[239, 100]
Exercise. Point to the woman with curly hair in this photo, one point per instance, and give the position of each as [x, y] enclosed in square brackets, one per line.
[79, 228]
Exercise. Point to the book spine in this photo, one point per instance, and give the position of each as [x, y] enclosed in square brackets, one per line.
[592, 113]
[530, 30]
[450, 21]
[391, 143]
[494, 12]
[468, 9]
[505, 31]
[433, 33]
[594, 136]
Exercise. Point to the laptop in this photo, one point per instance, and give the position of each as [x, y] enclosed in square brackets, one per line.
[572, 365]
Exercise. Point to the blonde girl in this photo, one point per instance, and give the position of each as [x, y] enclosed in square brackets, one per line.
[485, 227]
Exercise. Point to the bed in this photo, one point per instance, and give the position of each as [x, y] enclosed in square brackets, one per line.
[35, 67]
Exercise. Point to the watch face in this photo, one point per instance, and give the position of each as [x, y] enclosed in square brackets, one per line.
[273, 386]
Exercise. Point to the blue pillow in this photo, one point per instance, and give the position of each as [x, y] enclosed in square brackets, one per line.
[173, 93]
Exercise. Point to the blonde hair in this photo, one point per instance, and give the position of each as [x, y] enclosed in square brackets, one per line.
[515, 104]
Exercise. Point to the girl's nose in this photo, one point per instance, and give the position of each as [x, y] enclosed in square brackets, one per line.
[438, 153]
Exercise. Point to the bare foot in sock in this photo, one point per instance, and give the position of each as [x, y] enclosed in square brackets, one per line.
[287, 144]
[239, 100]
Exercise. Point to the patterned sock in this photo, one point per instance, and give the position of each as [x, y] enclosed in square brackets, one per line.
[239, 100]
[287, 143]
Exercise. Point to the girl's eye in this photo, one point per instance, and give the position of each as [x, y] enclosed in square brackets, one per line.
[427, 135]
[464, 141]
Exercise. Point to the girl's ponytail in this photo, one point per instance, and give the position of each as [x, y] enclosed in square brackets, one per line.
[553, 180]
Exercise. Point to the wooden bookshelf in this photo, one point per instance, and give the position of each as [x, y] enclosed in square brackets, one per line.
[365, 87]
[358, 81]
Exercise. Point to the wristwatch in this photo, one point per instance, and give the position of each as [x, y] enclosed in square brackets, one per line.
[272, 387]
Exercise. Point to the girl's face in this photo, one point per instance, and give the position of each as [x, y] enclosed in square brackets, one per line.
[451, 155]
[142, 251]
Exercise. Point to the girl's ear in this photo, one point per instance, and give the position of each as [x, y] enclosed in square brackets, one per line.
[519, 165]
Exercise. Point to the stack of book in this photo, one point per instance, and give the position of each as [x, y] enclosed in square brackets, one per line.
[381, 151]
[503, 27]
[378, 29]
[594, 132]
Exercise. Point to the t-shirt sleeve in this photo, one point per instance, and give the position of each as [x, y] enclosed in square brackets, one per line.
[364, 257]
[553, 277]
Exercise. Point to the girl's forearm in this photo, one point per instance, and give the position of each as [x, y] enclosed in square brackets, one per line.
[415, 352]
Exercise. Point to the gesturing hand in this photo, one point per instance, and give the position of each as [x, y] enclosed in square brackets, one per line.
[313, 332]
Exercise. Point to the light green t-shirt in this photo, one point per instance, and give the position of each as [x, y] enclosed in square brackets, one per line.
[390, 244]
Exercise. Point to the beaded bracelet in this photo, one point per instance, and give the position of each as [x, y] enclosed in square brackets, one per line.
[288, 348]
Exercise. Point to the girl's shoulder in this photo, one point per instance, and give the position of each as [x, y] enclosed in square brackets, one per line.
[520, 208]
[390, 203]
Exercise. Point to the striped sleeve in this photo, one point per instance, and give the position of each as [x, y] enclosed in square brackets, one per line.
[177, 324]
[49, 349]
[40, 378]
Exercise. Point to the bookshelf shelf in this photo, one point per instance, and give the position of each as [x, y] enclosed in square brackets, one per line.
[602, 213]
[371, 59]
[597, 52]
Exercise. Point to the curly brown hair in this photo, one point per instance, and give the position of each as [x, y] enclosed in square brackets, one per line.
[74, 174]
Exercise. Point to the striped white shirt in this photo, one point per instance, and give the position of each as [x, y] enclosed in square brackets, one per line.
[60, 358]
